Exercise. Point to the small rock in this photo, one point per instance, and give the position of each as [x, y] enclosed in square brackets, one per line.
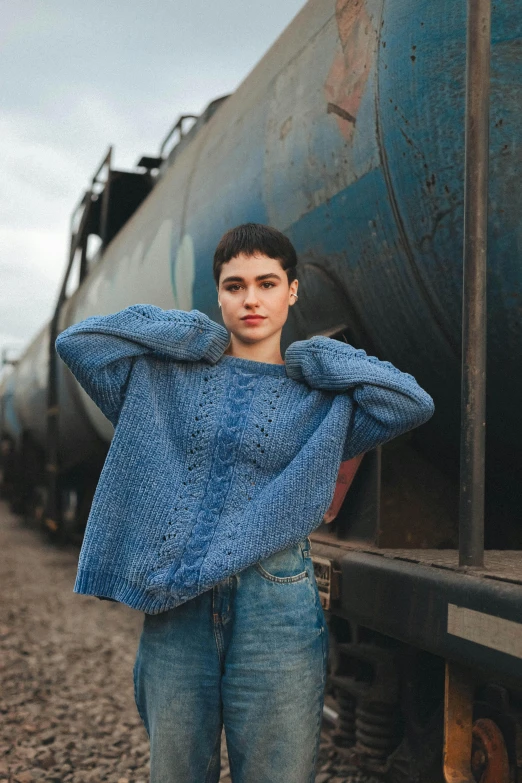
[24, 777]
[46, 761]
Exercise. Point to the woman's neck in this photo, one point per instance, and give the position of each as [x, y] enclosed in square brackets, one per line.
[268, 351]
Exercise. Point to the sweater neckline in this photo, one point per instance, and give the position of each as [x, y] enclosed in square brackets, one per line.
[258, 368]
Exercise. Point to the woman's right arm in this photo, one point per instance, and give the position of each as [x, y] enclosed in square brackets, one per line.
[100, 350]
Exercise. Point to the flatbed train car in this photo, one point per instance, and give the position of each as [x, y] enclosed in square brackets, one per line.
[349, 136]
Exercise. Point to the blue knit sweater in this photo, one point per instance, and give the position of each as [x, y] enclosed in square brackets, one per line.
[217, 461]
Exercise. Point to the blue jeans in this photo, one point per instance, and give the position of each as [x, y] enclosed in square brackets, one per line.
[250, 655]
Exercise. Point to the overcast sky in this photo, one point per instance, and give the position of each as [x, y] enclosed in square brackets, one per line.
[78, 76]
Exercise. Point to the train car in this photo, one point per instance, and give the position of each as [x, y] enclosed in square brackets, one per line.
[349, 137]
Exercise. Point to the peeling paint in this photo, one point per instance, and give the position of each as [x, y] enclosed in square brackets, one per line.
[351, 67]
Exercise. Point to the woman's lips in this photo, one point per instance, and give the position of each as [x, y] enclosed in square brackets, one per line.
[253, 319]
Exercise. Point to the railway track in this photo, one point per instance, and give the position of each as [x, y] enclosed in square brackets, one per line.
[66, 698]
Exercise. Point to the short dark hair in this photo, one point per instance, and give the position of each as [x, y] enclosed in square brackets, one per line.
[251, 238]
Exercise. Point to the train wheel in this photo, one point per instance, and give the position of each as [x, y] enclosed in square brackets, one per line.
[489, 757]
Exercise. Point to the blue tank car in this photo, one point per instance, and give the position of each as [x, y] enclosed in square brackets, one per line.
[349, 137]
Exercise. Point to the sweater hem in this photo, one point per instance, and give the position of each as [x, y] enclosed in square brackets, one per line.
[106, 585]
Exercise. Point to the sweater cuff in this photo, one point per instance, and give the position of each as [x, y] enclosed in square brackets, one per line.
[217, 340]
[295, 355]
[301, 355]
[214, 337]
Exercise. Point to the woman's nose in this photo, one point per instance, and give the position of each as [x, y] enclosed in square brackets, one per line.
[251, 296]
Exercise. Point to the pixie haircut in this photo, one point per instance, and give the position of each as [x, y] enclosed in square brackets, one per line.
[251, 238]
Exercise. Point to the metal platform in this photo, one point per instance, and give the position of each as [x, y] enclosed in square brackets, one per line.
[504, 565]
[424, 598]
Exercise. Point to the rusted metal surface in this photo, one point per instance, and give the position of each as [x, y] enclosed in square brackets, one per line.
[458, 724]
[351, 67]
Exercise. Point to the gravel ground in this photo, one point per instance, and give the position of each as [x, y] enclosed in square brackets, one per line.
[66, 701]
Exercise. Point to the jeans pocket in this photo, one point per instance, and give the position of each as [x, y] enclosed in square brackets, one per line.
[284, 567]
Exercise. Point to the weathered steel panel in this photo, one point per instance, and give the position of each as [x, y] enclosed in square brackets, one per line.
[349, 136]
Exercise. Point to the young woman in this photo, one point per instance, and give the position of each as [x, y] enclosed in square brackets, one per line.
[223, 460]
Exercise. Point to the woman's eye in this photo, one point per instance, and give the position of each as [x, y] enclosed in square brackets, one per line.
[236, 286]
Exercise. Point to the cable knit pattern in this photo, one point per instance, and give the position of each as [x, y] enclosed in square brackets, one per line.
[217, 462]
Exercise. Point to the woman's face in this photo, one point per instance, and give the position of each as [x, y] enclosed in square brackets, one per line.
[254, 286]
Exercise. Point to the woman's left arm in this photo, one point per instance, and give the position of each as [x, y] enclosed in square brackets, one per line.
[388, 402]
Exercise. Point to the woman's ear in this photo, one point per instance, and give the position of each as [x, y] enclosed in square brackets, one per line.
[293, 292]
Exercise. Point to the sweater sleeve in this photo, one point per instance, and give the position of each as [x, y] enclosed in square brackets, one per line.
[387, 402]
[100, 350]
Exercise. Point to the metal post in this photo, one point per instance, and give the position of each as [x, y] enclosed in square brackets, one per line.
[458, 724]
[105, 199]
[52, 512]
[474, 322]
